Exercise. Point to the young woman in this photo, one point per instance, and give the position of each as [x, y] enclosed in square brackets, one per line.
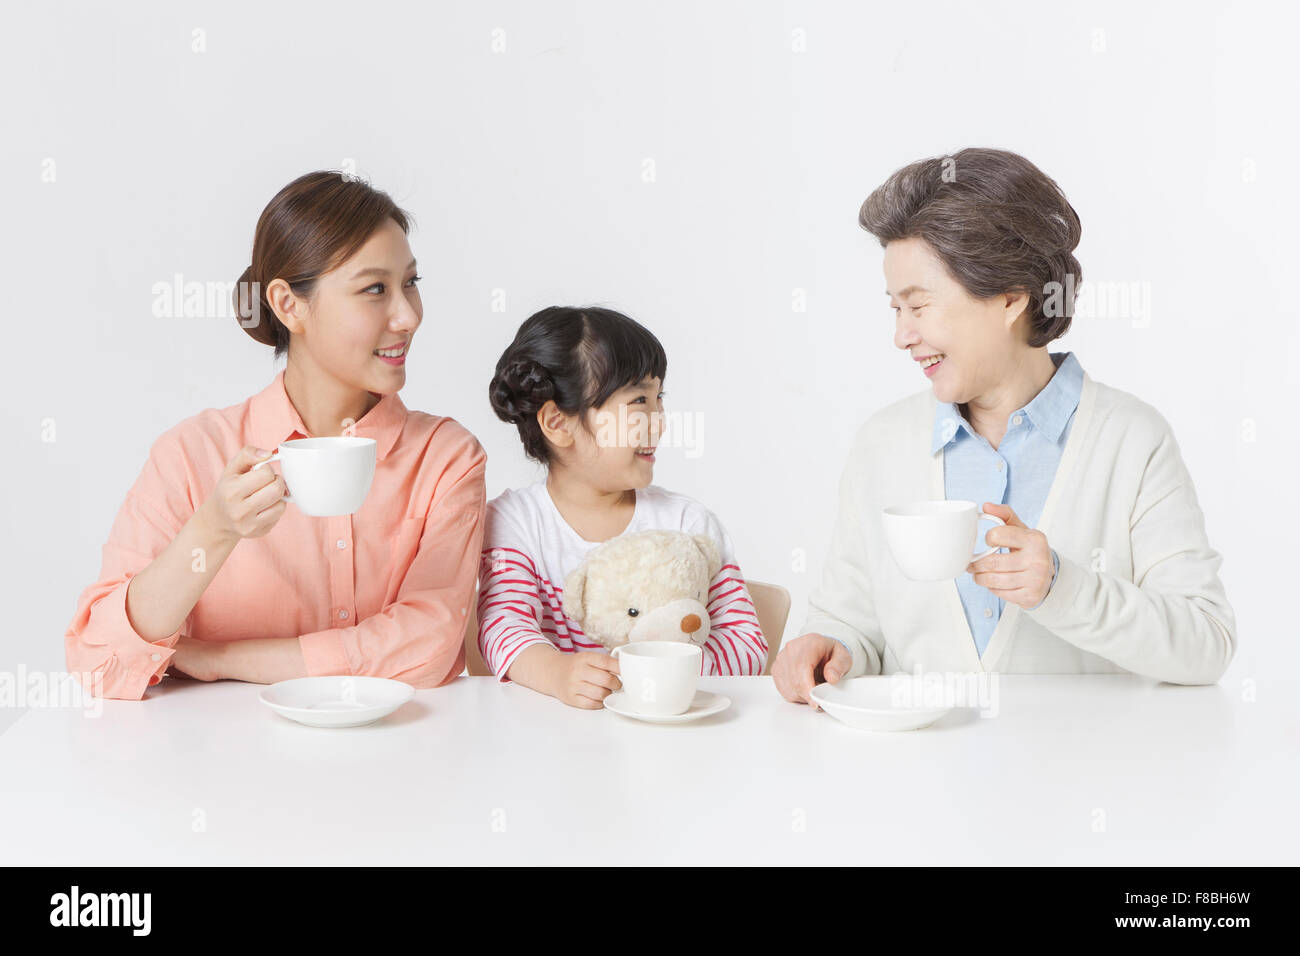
[583, 386]
[209, 573]
[1107, 567]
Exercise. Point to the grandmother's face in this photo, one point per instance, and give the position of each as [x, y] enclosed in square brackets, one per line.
[977, 341]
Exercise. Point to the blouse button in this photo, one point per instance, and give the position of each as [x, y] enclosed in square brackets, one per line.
[343, 615]
[1017, 420]
[988, 612]
[999, 466]
[340, 544]
[155, 657]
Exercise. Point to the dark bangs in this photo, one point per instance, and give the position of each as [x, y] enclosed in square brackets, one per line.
[617, 352]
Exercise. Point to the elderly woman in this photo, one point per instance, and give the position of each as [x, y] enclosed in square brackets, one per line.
[1105, 566]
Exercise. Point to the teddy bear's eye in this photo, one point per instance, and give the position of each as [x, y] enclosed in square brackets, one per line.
[632, 612]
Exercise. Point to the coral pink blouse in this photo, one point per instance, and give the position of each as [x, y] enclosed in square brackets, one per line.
[382, 592]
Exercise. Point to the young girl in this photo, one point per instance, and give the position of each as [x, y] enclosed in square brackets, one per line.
[208, 571]
[583, 388]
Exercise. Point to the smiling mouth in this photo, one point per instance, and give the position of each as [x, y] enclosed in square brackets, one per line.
[397, 352]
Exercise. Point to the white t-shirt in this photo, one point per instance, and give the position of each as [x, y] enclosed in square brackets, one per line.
[529, 550]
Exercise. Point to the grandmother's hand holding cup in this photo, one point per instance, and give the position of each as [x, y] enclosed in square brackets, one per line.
[1024, 575]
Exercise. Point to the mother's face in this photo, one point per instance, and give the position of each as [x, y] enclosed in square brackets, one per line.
[978, 340]
[366, 305]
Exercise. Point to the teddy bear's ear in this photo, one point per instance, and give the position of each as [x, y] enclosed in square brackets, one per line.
[710, 550]
[574, 586]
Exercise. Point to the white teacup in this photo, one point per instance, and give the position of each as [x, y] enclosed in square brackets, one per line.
[934, 540]
[659, 677]
[326, 476]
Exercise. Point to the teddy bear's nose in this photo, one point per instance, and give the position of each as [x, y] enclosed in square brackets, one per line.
[690, 623]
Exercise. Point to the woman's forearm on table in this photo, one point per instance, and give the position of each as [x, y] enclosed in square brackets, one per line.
[261, 660]
[1184, 635]
[161, 597]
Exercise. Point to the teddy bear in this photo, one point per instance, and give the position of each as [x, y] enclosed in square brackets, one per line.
[644, 586]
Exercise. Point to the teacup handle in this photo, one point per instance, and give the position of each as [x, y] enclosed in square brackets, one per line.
[996, 520]
[267, 461]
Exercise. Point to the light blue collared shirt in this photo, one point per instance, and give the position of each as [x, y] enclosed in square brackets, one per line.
[1019, 472]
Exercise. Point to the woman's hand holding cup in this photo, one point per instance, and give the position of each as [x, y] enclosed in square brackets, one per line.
[247, 501]
[1023, 576]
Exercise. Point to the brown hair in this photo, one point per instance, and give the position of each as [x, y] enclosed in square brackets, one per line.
[998, 223]
[312, 225]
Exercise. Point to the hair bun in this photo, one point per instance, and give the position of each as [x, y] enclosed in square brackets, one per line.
[519, 389]
[251, 310]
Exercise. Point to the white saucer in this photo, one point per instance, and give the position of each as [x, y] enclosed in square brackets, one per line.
[704, 705]
[872, 703]
[336, 701]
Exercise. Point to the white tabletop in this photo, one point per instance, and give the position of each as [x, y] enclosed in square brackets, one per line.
[1072, 769]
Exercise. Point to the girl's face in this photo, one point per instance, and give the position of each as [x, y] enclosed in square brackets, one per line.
[616, 450]
[978, 341]
[361, 317]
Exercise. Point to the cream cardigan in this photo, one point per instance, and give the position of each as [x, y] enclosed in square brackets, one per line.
[1138, 588]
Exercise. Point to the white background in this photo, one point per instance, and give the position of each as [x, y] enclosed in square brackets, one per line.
[1170, 127]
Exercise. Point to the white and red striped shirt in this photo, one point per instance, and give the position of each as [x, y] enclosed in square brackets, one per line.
[529, 550]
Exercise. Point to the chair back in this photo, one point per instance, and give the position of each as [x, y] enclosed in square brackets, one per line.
[772, 605]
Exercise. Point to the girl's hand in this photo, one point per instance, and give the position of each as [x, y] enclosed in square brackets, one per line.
[1023, 576]
[246, 503]
[586, 678]
[196, 659]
